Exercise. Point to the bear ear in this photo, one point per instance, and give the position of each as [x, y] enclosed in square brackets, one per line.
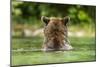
[45, 19]
[66, 20]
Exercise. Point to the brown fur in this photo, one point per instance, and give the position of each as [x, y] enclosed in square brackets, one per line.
[55, 32]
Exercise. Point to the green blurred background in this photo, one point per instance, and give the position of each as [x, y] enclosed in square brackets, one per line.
[27, 32]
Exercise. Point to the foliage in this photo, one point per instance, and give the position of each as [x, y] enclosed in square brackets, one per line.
[79, 14]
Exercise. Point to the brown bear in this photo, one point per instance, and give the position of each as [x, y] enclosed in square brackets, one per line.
[56, 34]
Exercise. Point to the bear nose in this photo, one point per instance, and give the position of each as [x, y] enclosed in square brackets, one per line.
[56, 27]
[55, 23]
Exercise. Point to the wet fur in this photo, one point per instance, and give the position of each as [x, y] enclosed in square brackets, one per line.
[55, 32]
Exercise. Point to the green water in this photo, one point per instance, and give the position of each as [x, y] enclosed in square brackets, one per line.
[84, 50]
